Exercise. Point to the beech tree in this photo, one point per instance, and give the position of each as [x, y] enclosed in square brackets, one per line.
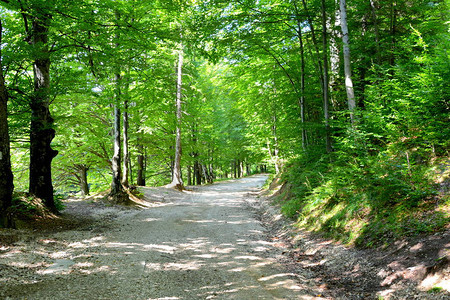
[37, 19]
[177, 182]
[6, 179]
[347, 61]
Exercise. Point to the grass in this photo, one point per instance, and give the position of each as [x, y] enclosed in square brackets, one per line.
[367, 202]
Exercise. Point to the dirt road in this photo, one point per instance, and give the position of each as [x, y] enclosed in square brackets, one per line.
[203, 244]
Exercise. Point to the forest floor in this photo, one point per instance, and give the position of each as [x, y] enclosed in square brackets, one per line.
[220, 241]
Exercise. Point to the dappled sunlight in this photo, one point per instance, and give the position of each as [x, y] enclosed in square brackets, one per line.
[215, 251]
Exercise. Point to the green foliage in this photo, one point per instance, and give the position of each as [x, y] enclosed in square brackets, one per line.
[59, 204]
[435, 290]
[369, 200]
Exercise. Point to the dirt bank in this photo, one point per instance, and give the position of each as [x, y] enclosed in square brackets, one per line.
[411, 269]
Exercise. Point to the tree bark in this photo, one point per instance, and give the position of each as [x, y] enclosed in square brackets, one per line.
[347, 62]
[6, 179]
[197, 171]
[141, 165]
[84, 186]
[177, 182]
[41, 125]
[275, 142]
[189, 175]
[335, 35]
[126, 154]
[117, 194]
[116, 185]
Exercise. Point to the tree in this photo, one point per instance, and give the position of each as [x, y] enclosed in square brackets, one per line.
[347, 61]
[177, 182]
[117, 194]
[6, 179]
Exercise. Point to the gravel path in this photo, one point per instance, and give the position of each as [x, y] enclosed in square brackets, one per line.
[202, 244]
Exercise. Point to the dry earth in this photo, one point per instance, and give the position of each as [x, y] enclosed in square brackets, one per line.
[203, 244]
[220, 241]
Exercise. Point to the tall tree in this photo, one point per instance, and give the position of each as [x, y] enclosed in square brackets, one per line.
[347, 61]
[41, 127]
[117, 194]
[126, 152]
[177, 182]
[6, 178]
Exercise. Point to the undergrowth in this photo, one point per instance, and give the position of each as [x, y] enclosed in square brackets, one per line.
[25, 206]
[368, 200]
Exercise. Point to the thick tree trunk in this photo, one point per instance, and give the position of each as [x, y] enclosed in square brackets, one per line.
[117, 194]
[84, 186]
[347, 62]
[41, 126]
[6, 178]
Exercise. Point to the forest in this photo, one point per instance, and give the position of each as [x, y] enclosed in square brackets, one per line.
[345, 103]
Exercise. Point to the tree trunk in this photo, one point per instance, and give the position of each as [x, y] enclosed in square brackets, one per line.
[197, 171]
[325, 79]
[141, 165]
[117, 194]
[177, 182]
[116, 186]
[126, 154]
[41, 126]
[335, 35]
[6, 179]
[189, 175]
[84, 186]
[347, 62]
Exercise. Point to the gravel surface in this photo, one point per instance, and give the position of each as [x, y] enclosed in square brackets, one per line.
[202, 244]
